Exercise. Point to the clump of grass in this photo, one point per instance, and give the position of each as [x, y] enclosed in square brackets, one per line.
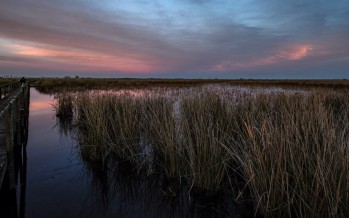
[204, 128]
[110, 124]
[123, 122]
[91, 125]
[64, 105]
[161, 132]
[187, 143]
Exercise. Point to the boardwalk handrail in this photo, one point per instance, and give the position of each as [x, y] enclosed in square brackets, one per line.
[7, 89]
[14, 112]
[8, 95]
[7, 84]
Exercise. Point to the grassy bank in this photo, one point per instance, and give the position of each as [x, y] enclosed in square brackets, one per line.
[289, 151]
[8, 80]
[55, 85]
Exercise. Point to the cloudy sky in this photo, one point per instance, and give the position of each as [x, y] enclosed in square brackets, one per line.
[175, 38]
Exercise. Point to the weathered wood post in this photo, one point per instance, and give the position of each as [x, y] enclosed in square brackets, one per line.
[10, 155]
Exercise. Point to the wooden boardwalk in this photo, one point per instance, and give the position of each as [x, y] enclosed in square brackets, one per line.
[14, 111]
[3, 155]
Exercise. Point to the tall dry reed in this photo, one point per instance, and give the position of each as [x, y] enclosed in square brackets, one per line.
[294, 154]
[110, 124]
[161, 127]
[204, 128]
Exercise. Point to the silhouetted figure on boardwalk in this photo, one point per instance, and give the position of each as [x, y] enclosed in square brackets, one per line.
[22, 81]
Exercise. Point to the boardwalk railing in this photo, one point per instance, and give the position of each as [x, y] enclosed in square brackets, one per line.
[9, 94]
[7, 89]
[14, 113]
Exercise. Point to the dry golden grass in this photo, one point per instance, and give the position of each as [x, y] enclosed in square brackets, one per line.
[293, 151]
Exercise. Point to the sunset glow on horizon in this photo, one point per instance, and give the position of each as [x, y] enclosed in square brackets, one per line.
[185, 38]
[89, 60]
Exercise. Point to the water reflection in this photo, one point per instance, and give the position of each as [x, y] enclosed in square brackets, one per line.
[56, 186]
[138, 195]
[12, 193]
[64, 126]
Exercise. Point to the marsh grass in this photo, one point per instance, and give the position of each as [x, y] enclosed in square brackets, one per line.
[56, 85]
[204, 128]
[288, 150]
[64, 105]
[161, 131]
[110, 125]
[5, 80]
[294, 154]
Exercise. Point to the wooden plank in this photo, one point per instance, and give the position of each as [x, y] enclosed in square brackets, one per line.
[3, 158]
[10, 99]
[7, 104]
[11, 168]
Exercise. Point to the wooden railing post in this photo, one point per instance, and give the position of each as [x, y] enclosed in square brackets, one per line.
[7, 89]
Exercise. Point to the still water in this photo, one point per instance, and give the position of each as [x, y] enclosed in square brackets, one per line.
[56, 185]
[56, 182]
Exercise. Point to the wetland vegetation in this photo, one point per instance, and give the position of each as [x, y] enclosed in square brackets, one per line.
[52, 85]
[281, 152]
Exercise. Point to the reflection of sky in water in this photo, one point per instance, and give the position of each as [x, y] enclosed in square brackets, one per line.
[40, 103]
[55, 183]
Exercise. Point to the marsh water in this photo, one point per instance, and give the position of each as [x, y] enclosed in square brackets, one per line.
[54, 181]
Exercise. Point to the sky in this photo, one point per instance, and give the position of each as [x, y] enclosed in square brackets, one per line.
[270, 39]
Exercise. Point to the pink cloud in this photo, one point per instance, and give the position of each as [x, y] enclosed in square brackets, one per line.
[288, 53]
[86, 60]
